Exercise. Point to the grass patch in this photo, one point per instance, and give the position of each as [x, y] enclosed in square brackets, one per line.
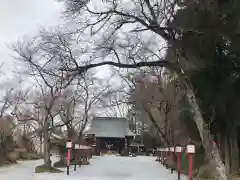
[60, 164]
[44, 168]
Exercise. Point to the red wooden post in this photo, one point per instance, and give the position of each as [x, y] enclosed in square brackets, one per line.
[178, 150]
[190, 166]
[190, 151]
[179, 164]
[69, 146]
[68, 156]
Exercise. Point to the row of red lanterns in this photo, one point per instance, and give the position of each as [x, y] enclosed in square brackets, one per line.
[190, 150]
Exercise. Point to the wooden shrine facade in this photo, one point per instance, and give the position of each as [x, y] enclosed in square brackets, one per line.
[109, 134]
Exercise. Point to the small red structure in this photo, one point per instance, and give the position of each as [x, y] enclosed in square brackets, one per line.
[69, 146]
[178, 150]
[190, 151]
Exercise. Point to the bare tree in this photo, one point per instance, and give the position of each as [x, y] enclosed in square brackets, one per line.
[143, 16]
[12, 97]
[30, 116]
[90, 91]
[42, 61]
[116, 103]
[157, 98]
[148, 102]
[66, 110]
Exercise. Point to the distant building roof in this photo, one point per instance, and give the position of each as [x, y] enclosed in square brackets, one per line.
[110, 127]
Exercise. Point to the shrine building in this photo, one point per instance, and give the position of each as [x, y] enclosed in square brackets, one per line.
[109, 134]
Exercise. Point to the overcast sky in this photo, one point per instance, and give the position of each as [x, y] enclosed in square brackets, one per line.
[23, 17]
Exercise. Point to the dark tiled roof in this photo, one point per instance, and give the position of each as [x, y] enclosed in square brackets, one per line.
[110, 127]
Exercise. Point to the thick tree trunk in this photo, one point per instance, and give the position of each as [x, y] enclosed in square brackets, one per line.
[70, 132]
[41, 144]
[236, 150]
[47, 161]
[226, 156]
[233, 151]
[80, 135]
[2, 154]
[207, 142]
[166, 128]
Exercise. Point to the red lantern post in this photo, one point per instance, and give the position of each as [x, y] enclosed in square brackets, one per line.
[190, 151]
[69, 146]
[178, 150]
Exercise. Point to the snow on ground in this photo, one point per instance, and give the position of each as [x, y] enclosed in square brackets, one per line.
[100, 168]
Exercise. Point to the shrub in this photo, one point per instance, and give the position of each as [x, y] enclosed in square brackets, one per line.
[43, 168]
[13, 156]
